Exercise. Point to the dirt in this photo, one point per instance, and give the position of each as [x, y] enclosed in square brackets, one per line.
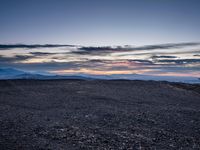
[99, 115]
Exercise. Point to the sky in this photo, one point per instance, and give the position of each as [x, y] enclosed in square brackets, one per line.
[154, 37]
[99, 22]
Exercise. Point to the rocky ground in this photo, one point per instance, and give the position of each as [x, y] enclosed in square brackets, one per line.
[99, 115]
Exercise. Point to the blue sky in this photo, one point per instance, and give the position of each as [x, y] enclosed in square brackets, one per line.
[94, 22]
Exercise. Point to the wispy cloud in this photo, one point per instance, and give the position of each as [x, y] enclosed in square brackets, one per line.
[198, 55]
[15, 58]
[180, 61]
[4, 47]
[108, 49]
[41, 53]
[149, 59]
[156, 57]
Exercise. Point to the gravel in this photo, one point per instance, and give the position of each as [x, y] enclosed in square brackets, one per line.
[98, 115]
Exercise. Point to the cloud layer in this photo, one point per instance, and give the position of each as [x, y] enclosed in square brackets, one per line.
[173, 59]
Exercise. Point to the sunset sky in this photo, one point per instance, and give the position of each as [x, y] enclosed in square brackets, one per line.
[103, 37]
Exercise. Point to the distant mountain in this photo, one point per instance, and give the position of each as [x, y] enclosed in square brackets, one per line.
[10, 73]
[7, 73]
[145, 77]
[48, 77]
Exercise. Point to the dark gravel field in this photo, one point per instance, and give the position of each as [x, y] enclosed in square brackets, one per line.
[98, 115]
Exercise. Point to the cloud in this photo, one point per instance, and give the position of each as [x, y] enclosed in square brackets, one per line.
[96, 48]
[166, 46]
[103, 58]
[5, 47]
[180, 61]
[109, 49]
[142, 61]
[18, 58]
[75, 65]
[14, 59]
[45, 66]
[93, 50]
[41, 53]
[155, 57]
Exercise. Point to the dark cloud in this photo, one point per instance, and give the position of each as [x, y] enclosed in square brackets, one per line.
[14, 59]
[93, 50]
[41, 53]
[96, 61]
[141, 61]
[42, 66]
[108, 49]
[96, 48]
[99, 50]
[18, 58]
[33, 46]
[180, 61]
[155, 57]
[166, 46]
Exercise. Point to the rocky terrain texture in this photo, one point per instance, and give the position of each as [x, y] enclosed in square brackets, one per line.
[98, 115]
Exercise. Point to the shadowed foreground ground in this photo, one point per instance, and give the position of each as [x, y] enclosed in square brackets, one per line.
[72, 114]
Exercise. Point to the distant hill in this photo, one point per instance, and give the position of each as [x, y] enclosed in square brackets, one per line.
[11, 73]
[48, 77]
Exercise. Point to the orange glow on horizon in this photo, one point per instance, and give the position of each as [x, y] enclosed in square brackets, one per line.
[197, 74]
[99, 72]
[111, 72]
